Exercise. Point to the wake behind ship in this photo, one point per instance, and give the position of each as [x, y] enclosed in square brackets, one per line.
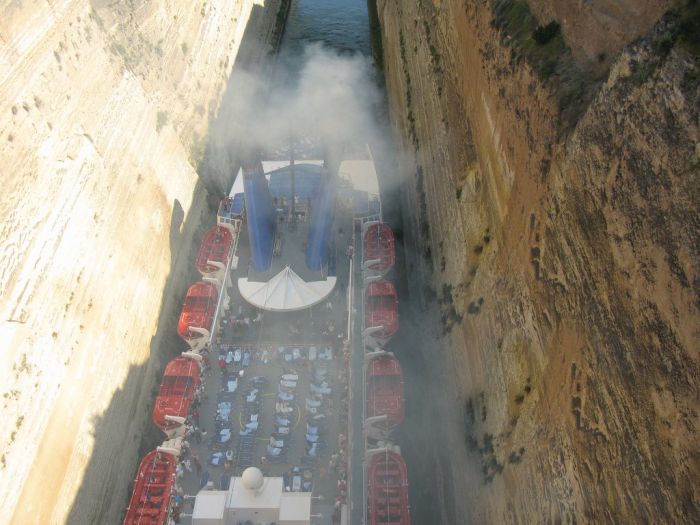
[258, 409]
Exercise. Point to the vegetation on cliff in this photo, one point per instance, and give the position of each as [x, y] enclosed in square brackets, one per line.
[566, 342]
[543, 47]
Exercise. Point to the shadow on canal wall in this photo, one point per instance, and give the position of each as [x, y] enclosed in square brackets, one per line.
[133, 402]
[419, 434]
[427, 458]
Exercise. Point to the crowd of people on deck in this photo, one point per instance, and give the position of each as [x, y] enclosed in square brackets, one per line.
[326, 325]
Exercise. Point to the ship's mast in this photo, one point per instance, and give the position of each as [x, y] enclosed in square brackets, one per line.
[293, 218]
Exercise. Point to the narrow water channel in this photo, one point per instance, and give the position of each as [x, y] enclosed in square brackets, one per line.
[341, 25]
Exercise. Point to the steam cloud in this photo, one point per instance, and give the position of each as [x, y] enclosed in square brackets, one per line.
[330, 98]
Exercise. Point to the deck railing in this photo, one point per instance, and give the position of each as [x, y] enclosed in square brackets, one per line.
[223, 293]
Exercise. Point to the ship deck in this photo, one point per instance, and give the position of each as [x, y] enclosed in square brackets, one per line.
[291, 251]
[278, 343]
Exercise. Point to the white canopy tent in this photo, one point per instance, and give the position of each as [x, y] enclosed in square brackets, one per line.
[285, 292]
[361, 174]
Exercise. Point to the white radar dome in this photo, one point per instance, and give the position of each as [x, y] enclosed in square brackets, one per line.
[252, 478]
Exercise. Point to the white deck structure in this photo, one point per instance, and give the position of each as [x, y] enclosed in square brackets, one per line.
[254, 499]
[362, 175]
[285, 292]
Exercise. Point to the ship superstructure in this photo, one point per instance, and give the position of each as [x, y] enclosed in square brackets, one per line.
[259, 407]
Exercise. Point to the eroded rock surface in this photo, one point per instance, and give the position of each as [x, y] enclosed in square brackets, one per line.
[555, 218]
[104, 109]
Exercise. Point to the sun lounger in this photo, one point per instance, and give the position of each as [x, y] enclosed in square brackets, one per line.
[223, 409]
[283, 408]
[318, 390]
[259, 381]
[277, 443]
[273, 451]
[223, 436]
[312, 403]
[216, 458]
[231, 384]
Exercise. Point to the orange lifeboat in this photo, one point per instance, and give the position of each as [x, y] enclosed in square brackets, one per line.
[385, 390]
[150, 499]
[215, 247]
[387, 491]
[180, 381]
[379, 248]
[198, 310]
[382, 309]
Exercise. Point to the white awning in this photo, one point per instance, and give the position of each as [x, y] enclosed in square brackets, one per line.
[285, 292]
[295, 508]
[361, 174]
[209, 507]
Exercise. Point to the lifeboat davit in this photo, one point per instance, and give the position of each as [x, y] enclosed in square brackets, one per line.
[379, 250]
[150, 499]
[198, 310]
[177, 389]
[387, 490]
[381, 310]
[215, 248]
[385, 390]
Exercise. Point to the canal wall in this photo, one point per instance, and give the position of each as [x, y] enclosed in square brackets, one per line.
[550, 226]
[105, 109]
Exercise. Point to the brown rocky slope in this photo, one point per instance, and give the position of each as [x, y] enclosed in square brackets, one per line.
[555, 221]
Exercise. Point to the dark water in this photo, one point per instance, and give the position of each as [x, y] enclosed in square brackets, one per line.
[339, 24]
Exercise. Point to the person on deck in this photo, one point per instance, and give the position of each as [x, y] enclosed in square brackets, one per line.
[196, 463]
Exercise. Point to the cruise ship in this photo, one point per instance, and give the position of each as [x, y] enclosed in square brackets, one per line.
[282, 407]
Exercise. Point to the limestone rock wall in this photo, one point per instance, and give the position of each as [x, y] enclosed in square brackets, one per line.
[561, 266]
[104, 109]
[614, 24]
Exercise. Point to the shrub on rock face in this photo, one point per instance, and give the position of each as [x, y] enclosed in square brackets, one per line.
[689, 27]
[543, 34]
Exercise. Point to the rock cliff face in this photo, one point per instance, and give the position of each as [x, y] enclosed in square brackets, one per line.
[614, 24]
[554, 217]
[104, 109]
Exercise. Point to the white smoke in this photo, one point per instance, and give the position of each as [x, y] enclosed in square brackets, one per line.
[330, 98]
[335, 97]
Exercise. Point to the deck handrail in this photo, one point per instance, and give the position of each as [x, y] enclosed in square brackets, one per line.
[224, 290]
